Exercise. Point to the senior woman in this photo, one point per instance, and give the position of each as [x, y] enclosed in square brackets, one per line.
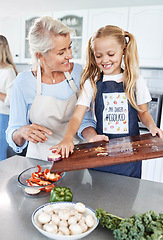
[44, 98]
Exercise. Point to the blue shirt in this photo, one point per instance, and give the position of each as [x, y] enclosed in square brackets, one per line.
[23, 94]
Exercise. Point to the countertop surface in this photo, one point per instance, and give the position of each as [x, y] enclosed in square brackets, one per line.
[119, 195]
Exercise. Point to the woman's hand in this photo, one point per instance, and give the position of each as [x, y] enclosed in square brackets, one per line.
[33, 133]
[65, 147]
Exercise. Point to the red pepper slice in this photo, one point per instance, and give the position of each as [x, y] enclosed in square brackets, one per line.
[51, 176]
[41, 179]
[29, 183]
[39, 169]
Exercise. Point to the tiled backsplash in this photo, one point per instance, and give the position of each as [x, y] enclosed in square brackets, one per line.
[154, 79]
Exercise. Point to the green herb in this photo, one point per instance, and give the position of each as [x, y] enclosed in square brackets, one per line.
[147, 226]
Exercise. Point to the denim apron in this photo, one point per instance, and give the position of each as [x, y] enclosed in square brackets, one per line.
[116, 118]
[4, 118]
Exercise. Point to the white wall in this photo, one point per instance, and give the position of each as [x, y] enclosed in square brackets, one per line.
[21, 7]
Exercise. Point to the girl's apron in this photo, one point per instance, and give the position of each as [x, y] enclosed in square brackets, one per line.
[116, 118]
[53, 114]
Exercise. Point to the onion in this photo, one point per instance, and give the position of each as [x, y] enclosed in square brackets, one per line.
[32, 191]
[54, 157]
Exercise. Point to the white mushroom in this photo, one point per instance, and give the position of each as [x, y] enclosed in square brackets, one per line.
[55, 210]
[50, 227]
[89, 220]
[64, 214]
[75, 228]
[36, 218]
[44, 218]
[80, 207]
[72, 220]
[64, 230]
[55, 218]
[47, 209]
[63, 223]
[66, 208]
[84, 227]
[73, 212]
[78, 217]
[82, 220]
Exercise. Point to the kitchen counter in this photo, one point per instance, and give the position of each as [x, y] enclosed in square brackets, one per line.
[119, 195]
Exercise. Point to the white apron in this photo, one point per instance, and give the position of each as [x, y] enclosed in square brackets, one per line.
[53, 114]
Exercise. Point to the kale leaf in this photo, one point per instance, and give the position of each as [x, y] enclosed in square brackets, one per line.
[147, 226]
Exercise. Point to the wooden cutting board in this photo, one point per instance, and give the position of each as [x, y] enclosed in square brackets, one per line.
[116, 151]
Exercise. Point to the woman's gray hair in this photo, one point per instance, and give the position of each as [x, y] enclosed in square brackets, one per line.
[41, 33]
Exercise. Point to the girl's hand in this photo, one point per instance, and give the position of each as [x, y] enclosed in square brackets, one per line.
[156, 130]
[99, 137]
[65, 147]
[33, 132]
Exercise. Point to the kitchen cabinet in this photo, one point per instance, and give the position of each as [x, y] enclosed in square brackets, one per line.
[10, 27]
[77, 20]
[146, 24]
[107, 16]
[26, 23]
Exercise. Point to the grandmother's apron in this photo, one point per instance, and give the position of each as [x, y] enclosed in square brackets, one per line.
[116, 118]
[53, 114]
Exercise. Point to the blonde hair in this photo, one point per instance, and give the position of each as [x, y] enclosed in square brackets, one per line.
[5, 54]
[41, 33]
[131, 63]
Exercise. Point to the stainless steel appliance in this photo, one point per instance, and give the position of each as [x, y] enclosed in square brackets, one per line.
[154, 108]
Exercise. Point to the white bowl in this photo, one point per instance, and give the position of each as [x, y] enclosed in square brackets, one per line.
[59, 205]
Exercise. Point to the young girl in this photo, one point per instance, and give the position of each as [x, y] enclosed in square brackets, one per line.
[119, 96]
[8, 74]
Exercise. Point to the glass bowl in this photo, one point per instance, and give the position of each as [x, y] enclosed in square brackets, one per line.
[37, 191]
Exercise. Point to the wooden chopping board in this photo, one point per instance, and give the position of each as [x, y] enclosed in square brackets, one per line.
[116, 151]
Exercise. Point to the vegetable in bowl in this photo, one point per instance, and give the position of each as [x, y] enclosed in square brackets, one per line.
[64, 220]
[39, 181]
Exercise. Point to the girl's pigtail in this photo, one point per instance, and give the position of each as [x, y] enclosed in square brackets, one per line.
[90, 70]
[131, 71]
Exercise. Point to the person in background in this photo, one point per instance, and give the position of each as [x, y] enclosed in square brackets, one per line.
[44, 98]
[120, 95]
[8, 74]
